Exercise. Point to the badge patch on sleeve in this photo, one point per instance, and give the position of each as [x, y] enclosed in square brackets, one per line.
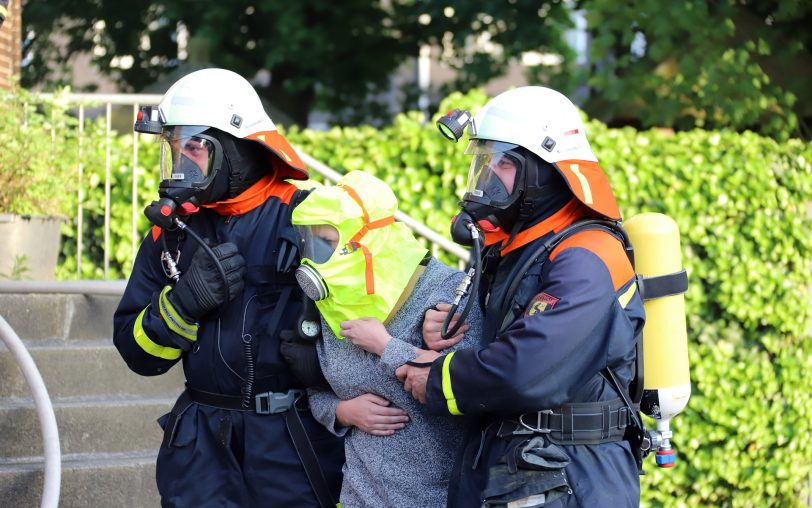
[540, 303]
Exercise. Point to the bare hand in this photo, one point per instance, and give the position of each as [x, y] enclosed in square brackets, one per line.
[367, 333]
[371, 414]
[414, 378]
[433, 325]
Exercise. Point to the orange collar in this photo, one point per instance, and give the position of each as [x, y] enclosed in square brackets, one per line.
[556, 222]
[254, 196]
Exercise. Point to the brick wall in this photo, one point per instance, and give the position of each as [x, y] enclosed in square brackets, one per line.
[10, 39]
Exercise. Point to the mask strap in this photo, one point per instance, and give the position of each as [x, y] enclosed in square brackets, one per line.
[376, 224]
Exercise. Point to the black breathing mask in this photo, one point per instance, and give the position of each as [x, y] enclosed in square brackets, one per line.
[191, 166]
[496, 183]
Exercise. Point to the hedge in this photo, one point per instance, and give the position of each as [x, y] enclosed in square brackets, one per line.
[741, 202]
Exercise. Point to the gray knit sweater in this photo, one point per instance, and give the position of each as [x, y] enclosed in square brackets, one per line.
[411, 467]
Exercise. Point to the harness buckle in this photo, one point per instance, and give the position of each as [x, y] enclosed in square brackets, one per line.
[542, 421]
[271, 403]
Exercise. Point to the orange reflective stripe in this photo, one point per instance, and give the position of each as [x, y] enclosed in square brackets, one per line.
[354, 195]
[381, 222]
[359, 235]
[373, 225]
[370, 279]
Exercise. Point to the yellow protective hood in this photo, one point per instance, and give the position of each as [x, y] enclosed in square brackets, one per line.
[375, 257]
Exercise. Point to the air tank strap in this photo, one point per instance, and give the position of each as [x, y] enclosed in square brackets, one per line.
[662, 285]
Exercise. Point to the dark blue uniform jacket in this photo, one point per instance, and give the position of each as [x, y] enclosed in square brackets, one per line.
[224, 457]
[576, 314]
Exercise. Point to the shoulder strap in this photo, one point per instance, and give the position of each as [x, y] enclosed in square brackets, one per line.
[609, 375]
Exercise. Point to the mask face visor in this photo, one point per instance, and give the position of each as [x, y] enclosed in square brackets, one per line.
[187, 156]
[319, 242]
[494, 172]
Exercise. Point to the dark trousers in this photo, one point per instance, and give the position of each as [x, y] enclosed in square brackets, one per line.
[239, 459]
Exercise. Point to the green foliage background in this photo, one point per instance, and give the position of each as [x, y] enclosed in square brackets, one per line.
[741, 203]
[32, 164]
[94, 156]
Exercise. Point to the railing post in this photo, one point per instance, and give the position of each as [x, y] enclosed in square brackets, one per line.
[107, 191]
[81, 195]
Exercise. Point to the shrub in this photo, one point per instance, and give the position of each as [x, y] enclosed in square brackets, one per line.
[36, 163]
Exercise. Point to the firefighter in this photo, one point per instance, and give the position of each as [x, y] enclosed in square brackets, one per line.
[550, 389]
[241, 434]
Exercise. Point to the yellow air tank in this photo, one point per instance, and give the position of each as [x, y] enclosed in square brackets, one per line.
[666, 377]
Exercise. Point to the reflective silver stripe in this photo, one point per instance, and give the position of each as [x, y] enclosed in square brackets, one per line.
[174, 320]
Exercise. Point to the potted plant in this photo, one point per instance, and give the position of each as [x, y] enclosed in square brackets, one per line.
[38, 159]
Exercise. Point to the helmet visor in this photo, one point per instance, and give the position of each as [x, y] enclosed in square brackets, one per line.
[494, 172]
[319, 241]
[187, 155]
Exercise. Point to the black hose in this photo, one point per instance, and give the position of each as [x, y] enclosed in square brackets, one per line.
[474, 272]
[207, 249]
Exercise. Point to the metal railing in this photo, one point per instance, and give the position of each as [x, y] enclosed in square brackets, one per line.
[45, 412]
[83, 101]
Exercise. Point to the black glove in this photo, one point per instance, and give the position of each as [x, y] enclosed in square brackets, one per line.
[302, 358]
[201, 290]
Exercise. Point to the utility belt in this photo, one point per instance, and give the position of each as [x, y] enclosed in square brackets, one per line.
[287, 404]
[267, 403]
[573, 424]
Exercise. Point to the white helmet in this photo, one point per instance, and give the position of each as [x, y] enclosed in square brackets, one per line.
[226, 101]
[547, 124]
[539, 119]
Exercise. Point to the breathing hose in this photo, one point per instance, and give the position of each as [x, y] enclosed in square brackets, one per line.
[471, 279]
[183, 227]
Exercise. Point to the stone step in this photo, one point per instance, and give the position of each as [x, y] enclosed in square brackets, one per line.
[64, 317]
[88, 368]
[125, 480]
[86, 424]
